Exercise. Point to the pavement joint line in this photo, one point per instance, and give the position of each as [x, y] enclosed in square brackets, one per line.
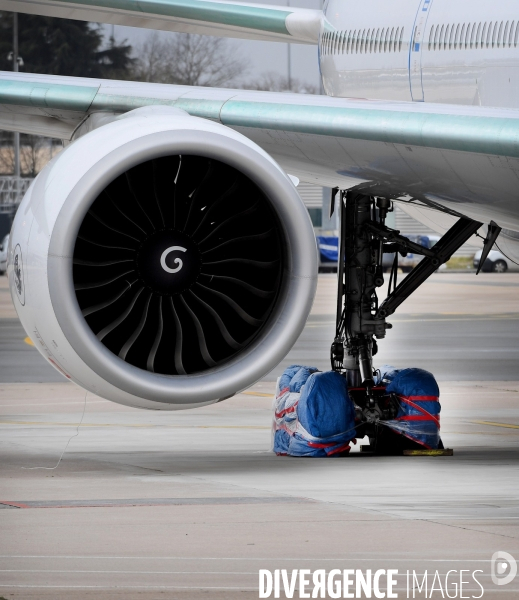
[133, 502]
[449, 316]
[488, 433]
[254, 427]
[136, 572]
[263, 558]
[135, 587]
[62, 403]
[76, 571]
[186, 587]
[418, 320]
[140, 425]
[507, 425]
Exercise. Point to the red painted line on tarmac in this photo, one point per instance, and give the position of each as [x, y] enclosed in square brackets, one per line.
[14, 504]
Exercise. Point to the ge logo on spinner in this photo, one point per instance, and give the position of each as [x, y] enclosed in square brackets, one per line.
[177, 261]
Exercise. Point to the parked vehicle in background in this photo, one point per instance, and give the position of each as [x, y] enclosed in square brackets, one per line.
[496, 262]
[3, 254]
[328, 252]
[408, 262]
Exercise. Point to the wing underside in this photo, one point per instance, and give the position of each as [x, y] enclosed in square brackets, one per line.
[458, 160]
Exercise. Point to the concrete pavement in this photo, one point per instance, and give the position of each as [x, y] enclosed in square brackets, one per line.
[192, 504]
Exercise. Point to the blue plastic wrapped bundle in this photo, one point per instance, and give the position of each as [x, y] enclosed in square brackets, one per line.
[285, 379]
[326, 417]
[287, 397]
[281, 441]
[418, 416]
[314, 416]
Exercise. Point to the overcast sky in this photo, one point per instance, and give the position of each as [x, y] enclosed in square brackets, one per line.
[261, 56]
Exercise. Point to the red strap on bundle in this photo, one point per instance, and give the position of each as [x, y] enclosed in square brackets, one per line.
[342, 448]
[317, 445]
[426, 415]
[285, 411]
[283, 391]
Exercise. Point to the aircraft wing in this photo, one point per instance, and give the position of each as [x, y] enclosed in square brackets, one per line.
[208, 17]
[460, 160]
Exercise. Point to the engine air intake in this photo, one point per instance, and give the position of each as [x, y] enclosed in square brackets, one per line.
[178, 263]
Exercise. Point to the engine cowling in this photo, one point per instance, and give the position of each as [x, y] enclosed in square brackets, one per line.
[163, 261]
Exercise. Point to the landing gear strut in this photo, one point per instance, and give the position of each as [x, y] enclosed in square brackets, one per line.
[361, 321]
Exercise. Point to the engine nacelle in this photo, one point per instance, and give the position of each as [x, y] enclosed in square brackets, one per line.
[163, 261]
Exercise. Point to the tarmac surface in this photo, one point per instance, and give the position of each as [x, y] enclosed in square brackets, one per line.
[192, 504]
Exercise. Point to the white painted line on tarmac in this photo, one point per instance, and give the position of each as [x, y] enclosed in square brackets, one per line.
[261, 558]
[255, 573]
[189, 587]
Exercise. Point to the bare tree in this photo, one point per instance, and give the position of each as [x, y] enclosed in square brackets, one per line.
[275, 82]
[152, 63]
[188, 59]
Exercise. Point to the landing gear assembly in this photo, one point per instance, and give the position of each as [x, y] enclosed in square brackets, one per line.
[361, 320]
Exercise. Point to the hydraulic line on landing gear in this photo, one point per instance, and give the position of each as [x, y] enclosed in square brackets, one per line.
[360, 321]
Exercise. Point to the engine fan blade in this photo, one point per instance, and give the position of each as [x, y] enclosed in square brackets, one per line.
[150, 363]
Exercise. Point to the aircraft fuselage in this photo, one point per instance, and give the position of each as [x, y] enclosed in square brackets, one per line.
[448, 51]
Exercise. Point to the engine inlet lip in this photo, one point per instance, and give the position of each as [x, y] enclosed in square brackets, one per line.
[294, 300]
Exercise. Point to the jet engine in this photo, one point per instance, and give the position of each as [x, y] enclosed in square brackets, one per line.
[163, 261]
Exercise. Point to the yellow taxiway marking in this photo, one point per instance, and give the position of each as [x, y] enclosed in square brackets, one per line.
[28, 340]
[61, 424]
[431, 452]
[507, 425]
